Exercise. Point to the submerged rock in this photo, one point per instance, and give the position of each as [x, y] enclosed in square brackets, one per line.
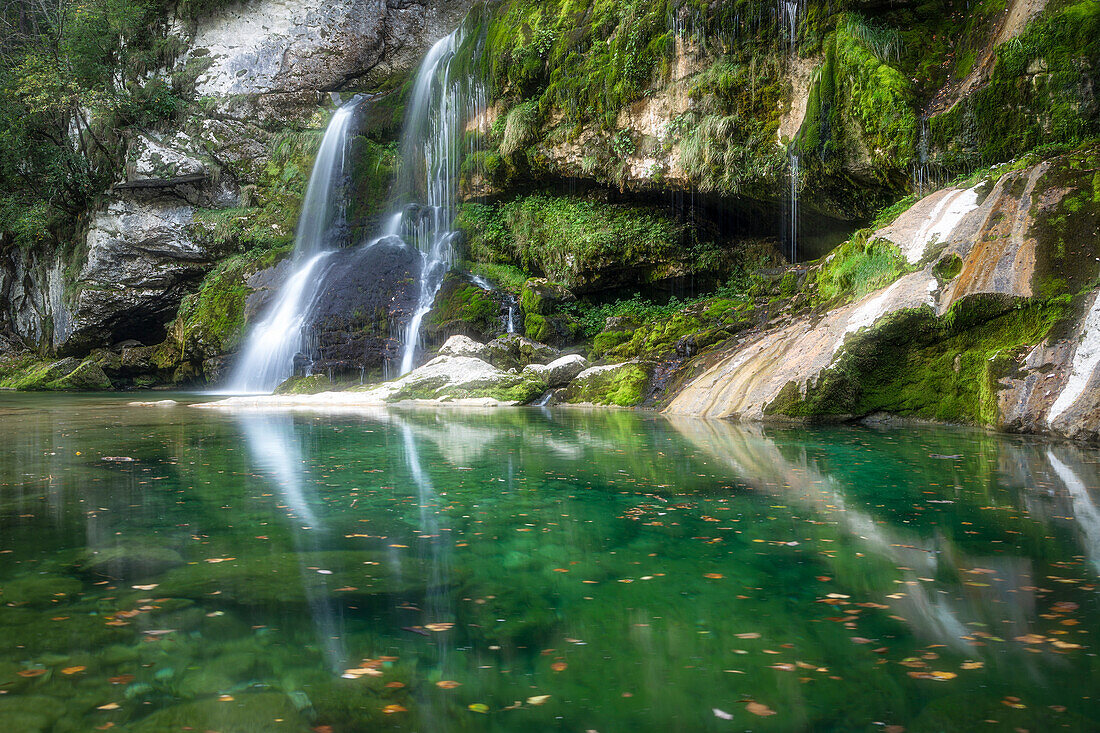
[256, 712]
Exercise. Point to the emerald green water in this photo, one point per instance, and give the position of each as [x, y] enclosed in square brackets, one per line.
[566, 570]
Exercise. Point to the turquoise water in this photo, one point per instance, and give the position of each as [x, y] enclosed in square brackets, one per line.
[170, 569]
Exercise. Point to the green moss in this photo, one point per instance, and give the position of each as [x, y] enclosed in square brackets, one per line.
[914, 364]
[859, 266]
[211, 321]
[506, 277]
[467, 303]
[624, 385]
[583, 243]
[68, 374]
[313, 384]
[1036, 95]
[947, 268]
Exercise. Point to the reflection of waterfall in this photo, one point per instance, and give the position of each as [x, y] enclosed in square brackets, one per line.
[431, 149]
[435, 605]
[268, 355]
[276, 449]
[1084, 510]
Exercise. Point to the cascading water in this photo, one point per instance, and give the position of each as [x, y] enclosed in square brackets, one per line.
[268, 355]
[430, 151]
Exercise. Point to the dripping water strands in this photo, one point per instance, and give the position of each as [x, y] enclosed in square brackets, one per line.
[792, 223]
[790, 12]
[269, 351]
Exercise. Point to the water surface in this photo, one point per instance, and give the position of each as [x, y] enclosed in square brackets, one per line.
[169, 569]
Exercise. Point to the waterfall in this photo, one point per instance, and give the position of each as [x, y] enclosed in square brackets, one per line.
[793, 161]
[268, 355]
[431, 152]
[789, 12]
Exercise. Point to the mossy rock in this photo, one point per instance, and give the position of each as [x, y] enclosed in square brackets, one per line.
[281, 578]
[30, 713]
[313, 384]
[542, 297]
[130, 561]
[37, 375]
[625, 385]
[463, 308]
[39, 591]
[87, 377]
[263, 712]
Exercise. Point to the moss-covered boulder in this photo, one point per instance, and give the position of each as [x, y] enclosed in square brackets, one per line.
[464, 308]
[625, 385]
[313, 384]
[242, 713]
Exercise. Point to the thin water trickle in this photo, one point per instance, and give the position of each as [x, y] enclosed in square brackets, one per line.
[793, 161]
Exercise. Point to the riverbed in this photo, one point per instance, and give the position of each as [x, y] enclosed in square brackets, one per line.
[169, 568]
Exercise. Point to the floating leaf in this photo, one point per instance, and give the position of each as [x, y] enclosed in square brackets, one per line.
[447, 684]
[748, 635]
[395, 685]
[225, 698]
[971, 665]
[478, 707]
[151, 586]
[558, 666]
[714, 576]
[219, 559]
[122, 679]
[439, 627]
[38, 672]
[109, 706]
[73, 670]
[942, 676]
[757, 708]
[537, 699]
[391, 709]
[721, 714]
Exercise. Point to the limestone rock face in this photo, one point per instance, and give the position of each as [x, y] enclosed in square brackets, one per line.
[141, 261]
[1002, 290]
[264, 58]
[463, 346]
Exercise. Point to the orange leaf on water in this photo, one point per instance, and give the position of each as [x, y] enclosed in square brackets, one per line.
[391, 709]
[447, 684]
[31, 672]
[757, 708]
[73, 670]
[713, 576]
[558, 666]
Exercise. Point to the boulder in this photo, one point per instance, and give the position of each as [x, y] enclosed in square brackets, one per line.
[515, 352]
[624, 385]
[370, 293]
[558, 372]
[464, 346]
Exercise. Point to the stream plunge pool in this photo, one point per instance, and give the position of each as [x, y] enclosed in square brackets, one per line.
[174, 569]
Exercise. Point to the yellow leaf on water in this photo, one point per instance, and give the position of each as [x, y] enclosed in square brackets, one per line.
[439, 627]
[391, 709]
[558, 666]
[714, 576]
[478, 707]
[219, 559]
[757, 708]
[109, 706]
[225, 698]
[537, 699]
[151, 586]
[943, 676]
[73, 670]
[971, 665]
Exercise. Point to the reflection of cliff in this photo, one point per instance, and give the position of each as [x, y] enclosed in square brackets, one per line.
[943, 593]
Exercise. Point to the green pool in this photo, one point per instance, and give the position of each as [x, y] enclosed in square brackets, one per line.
[173, 569]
